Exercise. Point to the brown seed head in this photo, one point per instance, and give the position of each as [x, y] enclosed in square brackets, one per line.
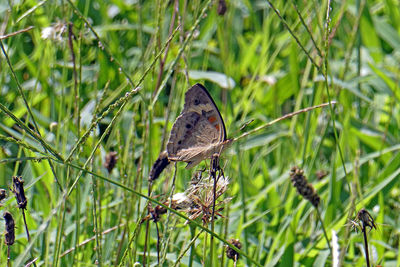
[9, 236]
[159, 165]
[18, 190]
[303, 187]
[231, 253]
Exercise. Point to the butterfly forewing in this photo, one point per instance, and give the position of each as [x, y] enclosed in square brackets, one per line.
[198, 99]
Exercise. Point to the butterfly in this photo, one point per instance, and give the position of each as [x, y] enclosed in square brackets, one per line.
[198, 133]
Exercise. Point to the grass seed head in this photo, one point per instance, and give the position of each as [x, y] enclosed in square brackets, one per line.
[303, 187]
[18, 190]
[9, 235]
[159, 165]
[231, 253]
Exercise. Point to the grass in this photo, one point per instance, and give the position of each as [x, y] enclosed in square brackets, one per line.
[80, 79]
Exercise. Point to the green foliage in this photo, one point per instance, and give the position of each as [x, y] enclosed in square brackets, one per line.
[90, 77]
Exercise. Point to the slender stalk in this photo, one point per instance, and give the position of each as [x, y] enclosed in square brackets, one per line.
[95, 221]
[192, 248]
[8, 256]
[146, 240]
[26, 226]
[324, 230]
[364, 230]
[158, 244]
[287, 116]
[169, 213]
[213, 174]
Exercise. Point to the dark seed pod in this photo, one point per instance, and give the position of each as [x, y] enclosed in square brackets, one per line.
[18, 190]
[111, 161]
[303, 187]
[9, 236]
[231, 253]
[159, 165]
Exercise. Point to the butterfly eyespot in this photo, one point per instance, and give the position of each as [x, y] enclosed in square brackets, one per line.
[212, 119]
[188, 126]
[196, 102]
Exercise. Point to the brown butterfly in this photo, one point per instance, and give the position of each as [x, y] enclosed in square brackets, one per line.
[197, 134]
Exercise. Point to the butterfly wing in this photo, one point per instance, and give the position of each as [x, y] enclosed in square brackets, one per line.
[197, 99]
[198, 130]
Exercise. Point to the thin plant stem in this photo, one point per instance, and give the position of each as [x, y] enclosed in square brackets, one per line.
[26, 226]
[213, 174]
[189, 246]
[95, 223]
[307, 29]
[8, 256]
[169, 211]
[287, 116]
[192, 248]
[27, 231]
[295, 37]
[2, 37]
[364, 230]
[324, 230]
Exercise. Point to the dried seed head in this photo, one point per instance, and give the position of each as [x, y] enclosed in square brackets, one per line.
[9, 236]
[3, 194]
[366, 219]
[303, 187]
[221, 7]
[18, 190]
[159, 165]
[111, 161]
[231, 253]
[201, 198]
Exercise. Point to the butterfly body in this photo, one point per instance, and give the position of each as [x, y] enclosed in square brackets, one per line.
[199, 131]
